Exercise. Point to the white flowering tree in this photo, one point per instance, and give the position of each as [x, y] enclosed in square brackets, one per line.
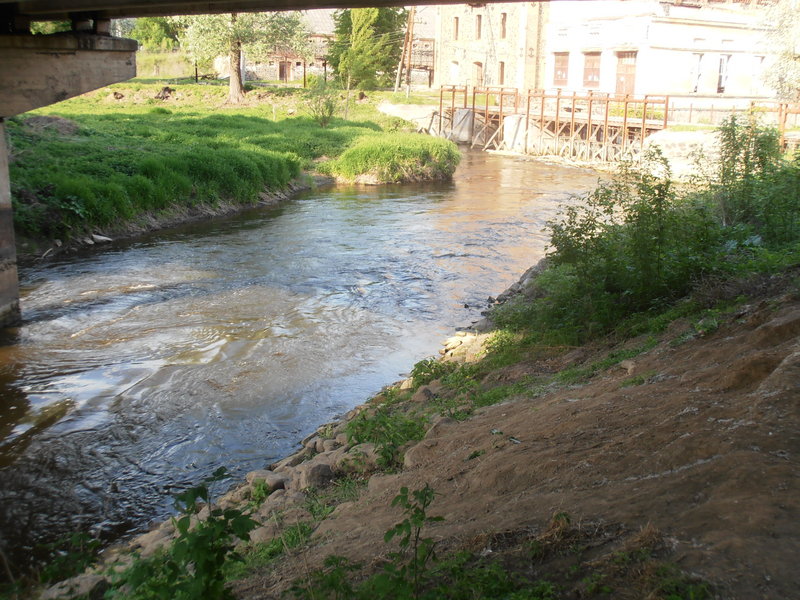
[259, 35]
[783, 21]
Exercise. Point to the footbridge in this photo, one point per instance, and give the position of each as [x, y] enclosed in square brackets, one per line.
[38, 70]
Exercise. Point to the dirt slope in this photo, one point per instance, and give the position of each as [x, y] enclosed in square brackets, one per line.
[706, 450]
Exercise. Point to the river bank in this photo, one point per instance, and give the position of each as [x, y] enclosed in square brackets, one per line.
[629, 481]
[30, 251]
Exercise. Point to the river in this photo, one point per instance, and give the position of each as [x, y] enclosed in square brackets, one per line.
[141, 368]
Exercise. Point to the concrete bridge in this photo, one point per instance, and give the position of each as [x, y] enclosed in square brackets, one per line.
[38, 70]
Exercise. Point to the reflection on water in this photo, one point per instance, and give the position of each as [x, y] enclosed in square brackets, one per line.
[141, 369]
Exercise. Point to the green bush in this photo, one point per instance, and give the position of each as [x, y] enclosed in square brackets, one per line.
[636, 244]
[399, 158]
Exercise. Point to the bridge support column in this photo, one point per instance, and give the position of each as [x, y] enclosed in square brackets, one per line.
[9, 289]
[35, 71]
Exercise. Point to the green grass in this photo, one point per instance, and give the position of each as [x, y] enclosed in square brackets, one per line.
[127, 157]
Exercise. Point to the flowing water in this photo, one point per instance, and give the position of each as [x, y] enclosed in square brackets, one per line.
[140, 369]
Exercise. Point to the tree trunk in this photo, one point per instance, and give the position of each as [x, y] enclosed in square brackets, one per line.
[236, 92]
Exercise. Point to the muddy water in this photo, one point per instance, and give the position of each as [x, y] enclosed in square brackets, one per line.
[140, 369]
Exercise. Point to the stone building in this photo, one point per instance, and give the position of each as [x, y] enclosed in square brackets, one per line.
[696, 48]
[491, 44]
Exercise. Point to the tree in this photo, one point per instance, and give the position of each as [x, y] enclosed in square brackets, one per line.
[370, 41]
[257, 34]
[156, 33]
[783, 21]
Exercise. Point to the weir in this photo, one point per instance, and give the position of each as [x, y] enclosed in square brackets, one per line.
[588, 127]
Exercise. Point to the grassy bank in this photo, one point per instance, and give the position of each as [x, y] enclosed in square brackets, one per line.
[105, 159]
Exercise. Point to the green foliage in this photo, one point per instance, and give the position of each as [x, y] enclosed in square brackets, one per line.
[257, 556]
[398, 158]
[415, 572]
[322, 103]
[749, 154]
[635, 245]
[415, 550]
[69, 556]
[157, 33]
[389, 429]
[367, 45]
[429, 369]
[259, 493]
[194, 565]
[48, 27]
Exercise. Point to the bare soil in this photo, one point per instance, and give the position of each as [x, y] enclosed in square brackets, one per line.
[702, 449]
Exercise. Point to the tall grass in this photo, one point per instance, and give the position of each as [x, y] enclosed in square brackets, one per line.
[398, 158]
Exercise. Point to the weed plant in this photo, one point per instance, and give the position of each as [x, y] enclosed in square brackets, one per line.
[194, 565]
[389, 428]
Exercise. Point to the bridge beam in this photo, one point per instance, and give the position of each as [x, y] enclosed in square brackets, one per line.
[38, 70]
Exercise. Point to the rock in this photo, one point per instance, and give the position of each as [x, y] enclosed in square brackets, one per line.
[88, 241]
[419, 453]
[310, 440]
[265, 533]
[628, 365]
[101, 239]
[320, 445]
[452, 343]
[311, 474]
[407, 384]
[92, 587]
[423, 394]
[151, 541]
[291, 461]
[361, 458]
[439, 424]
[342, 439]
[329, 445]
[234, 498]
[274, 481]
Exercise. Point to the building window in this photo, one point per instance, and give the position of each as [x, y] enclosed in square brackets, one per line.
[722, 79]
[591, 69]
[626, 72]
[455, 72]
[503, 17]
[478, 19]
[455, 28]
[697, 70]
[501, 73]
[561, 72]
[478, 66]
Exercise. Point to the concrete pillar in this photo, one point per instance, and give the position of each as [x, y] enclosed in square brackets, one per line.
[37, 70]
[9, 289]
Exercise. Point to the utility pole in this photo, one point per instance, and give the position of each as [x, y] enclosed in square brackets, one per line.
[410, 35]
[409, 27]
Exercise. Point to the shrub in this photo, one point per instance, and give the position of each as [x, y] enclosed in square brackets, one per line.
[399, 158]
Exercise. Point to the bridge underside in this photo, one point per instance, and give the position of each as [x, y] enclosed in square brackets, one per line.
[56, 10]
